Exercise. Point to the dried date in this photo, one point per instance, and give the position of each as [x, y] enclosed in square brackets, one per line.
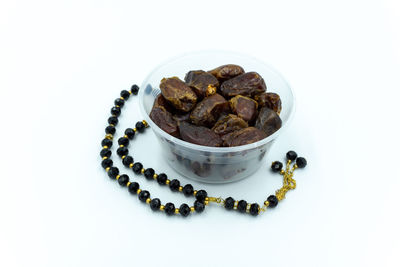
[202, 83]
[269, 100]
[206, 112]
[202, 170]
[268, 121]
[243, 137]
[247, 84]
[228, 124]
[226, 72]
[244, 107]
[161, 102]
[178, 94]
[199, 135]
[164, 120]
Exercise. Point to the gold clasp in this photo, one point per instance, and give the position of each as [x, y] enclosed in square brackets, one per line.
[215, 199]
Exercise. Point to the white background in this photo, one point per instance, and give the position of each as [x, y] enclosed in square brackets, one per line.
[63, 63]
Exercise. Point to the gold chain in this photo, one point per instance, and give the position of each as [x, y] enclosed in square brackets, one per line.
[288, 184]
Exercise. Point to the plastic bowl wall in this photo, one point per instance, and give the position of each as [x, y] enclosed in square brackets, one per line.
[214, 164]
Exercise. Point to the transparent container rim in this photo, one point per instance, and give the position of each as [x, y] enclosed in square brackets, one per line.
[208, 148]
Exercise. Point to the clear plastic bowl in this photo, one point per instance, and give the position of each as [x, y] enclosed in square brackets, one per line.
[214, 164]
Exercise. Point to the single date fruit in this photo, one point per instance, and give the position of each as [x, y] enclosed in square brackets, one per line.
[178, 94]
[207, 111]
[164, 120]
[229, 123]
[161, 102]
[247, 84]
[244, 107]
[243, 137]
[226, 72]
[269, 100]
[198, 135]
[268, 121]
[202, 83]
[202, 170]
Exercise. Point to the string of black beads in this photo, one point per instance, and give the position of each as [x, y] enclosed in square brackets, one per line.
[169, 208]
[137, 167]
[242, 206]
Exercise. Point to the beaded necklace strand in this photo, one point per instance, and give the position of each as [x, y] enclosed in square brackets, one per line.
[201, 196]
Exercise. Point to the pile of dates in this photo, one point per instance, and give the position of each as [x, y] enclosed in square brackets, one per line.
[223, 107]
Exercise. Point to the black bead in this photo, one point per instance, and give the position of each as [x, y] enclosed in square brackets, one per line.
[155, 204]
[133, 187]
[113, 172]
[201, 195]
[113, 120]
[199, 206]
[106, 163]
[276, 166]
[106, 142]
[301, 162]
[184, 210]
[242, 206]
[123, 141]
[123, 179]
[140, 126]
[130, 133]
[125, 94]
[137, 167]
[254, 209]
[128, 160]
[291, 155]
[110, 130]
[162, 178]
[135, 89]
[122, 151]
[229, 203]
[148, 173]
[119, 102]
[174, 185]
[143, 195]
[169, 208]
[273, 201]
[187, 190]
[105, 152]
[116, 111]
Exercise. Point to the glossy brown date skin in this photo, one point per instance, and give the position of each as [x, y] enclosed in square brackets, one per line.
[270, 100]
[206, 112]
[228, 124]
[178, 94]
[243, 137]
[226, 72]
[202, 83]
[199, 135]
[164, 120]
[247, 84]
[244, 107]
[268, 121]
